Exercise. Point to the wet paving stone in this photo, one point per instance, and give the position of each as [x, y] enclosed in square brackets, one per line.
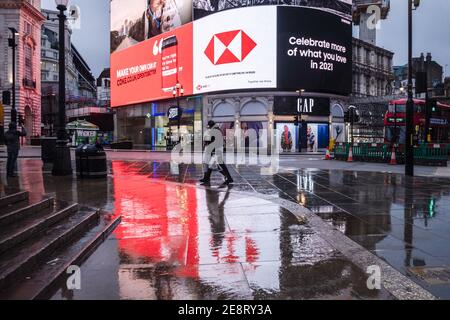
[180, 240]
[334, 278]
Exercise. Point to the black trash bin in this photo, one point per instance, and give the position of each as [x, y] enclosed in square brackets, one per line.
[48, 149]
[90, 161]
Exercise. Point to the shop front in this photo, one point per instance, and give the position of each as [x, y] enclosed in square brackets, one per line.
[151, 126]
[248, 113]
[173, 121]
[241, 74]
[302, 124]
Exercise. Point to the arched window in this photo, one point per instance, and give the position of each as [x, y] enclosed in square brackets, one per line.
[253, 108]
[337, 111]
[223, 109]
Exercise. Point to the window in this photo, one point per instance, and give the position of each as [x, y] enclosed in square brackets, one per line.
[55, 77]
[28, 62]
[28, 28]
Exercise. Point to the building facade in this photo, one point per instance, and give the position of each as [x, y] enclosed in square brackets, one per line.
[302, 116]
[96, 110]
[50, 70]
[148, 127]
[26, 18]
[80, 83]
[104, 88]
[373, 77]
[433, 70]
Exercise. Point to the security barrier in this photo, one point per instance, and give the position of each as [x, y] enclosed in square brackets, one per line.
[427, 154]
[431, 154]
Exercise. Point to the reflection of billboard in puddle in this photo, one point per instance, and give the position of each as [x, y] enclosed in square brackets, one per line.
[159, 222]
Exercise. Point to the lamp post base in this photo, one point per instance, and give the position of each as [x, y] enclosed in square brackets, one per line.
[62, 165]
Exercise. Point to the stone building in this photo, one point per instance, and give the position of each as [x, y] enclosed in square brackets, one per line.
[372, 70]
[371, 90]
[80, 83]
[104, 89]
[25, 16]
[426, 64]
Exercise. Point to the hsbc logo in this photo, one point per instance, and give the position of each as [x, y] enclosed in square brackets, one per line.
[229, 47]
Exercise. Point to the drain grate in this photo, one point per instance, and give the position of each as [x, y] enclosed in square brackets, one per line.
[432, 275]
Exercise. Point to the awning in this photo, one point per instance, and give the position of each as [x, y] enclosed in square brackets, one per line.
[81, 125]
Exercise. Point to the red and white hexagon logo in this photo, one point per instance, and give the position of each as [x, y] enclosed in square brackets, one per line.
[229, 47]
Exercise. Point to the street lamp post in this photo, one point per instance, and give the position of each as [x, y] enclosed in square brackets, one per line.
[299, 122]
[352, 113]
[13, 45]
[409, 150]
[178, 91]
[62, 166]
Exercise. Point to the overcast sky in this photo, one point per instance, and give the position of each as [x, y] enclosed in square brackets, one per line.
[92, 40]
[431, 31]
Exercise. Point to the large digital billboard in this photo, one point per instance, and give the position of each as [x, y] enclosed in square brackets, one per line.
[265, 47]
[314, 51]
[149, 70]
[137, 20]
[236, 49]
[203, 8]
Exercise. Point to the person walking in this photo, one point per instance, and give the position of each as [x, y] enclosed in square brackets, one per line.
[215, 157]
[12, 137]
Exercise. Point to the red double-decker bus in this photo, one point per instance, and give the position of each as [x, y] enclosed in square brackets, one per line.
[395, 121]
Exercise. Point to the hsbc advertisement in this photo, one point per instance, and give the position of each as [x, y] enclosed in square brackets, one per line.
[262, 47]
[232, 51]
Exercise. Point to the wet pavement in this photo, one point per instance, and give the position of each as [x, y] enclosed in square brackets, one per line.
[180, 241]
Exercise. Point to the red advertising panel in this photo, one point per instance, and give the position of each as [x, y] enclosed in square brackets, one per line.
[149, 70]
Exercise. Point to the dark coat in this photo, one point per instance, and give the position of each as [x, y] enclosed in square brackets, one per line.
[12, 139]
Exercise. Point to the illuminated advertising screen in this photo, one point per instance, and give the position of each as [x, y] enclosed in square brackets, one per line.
[150, 69]
[265, 47]
[314, 51]
[232, 51]
[135, 21]
[203, 8]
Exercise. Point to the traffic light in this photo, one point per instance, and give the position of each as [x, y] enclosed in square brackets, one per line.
[421, 82]
[433, 105]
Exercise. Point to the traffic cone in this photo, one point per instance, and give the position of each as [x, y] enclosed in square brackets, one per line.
[393, 157]
[327, 155]
[350, 154]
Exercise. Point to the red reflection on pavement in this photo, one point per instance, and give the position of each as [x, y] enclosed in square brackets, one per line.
[32, 180]
[160, 224]
[251, 250]
[159, 221]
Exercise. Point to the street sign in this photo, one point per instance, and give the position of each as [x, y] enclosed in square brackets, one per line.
[174, 113]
